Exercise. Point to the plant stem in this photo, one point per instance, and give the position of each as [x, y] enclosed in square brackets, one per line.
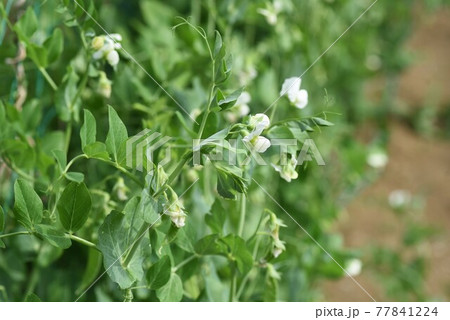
[185, 158]
[48, 78]
[14, 234]
[123, 170]
[71, 162]
[233, 285]
[242, 215]
[83, 241]
[206, 114]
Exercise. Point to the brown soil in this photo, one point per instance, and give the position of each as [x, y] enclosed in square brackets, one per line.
[417, 164]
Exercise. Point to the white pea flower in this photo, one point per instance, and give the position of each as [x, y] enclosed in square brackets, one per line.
[291, 87]
[258, 143]
[106, 47]
[247, 75]
[116, 37]
[261, 144]
[259, 122]
[377, 159]
[242, 103]
[113, 58]
[353, 267]
[278, 247]
[271, 12]
[271, 16]
[272, 272]
[399, 198]
[121, 190]
[287, 172]
[176, 213]
[98, 42]
[240, 109]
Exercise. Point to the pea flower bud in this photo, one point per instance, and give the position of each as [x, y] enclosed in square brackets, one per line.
[104, 85]
[287, 172]
[97, 43]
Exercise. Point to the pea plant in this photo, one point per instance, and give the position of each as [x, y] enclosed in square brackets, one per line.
[145, 232]
[173, 157]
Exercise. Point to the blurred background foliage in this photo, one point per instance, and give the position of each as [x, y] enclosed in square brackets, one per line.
[264, 53]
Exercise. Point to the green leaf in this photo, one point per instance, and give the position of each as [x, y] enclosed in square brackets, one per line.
[238, 251]
[159, 273]
[54, 45]
[75, 176]
[38, 54]
[231, 247]
[96, 150]
[67, 101]
[28, 207]
[94, 263]
[27, 24]
[61, 159]
[210, 245]
[48, 254]
[114, 240]
[117, 135]
[216, 219]
[321, 122]
[2, 219]
[305, 126]
[218, 45]
[88, 131]
[31, 297]
[229, 181]
[54, 236]
[74, 206]
[172, 291]
[2, 244]
[228, 102]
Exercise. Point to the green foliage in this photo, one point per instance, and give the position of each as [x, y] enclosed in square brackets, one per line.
[197, 228]
[74, 206]
[28, 207]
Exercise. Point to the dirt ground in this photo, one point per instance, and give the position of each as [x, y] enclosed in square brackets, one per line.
[417, 164]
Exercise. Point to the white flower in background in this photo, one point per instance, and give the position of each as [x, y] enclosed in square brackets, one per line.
[246, 76]
[121, 190]
[272, 272]
[176, 213]
[275, 224]
[278, 247]
[377, 159]
[291, 87]
[113, 58]
[240, 109]
[242, 104]
[353, 267]
[104, 85]
[271, 12]
[106, 47]
[399, 198]
[287, 172]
